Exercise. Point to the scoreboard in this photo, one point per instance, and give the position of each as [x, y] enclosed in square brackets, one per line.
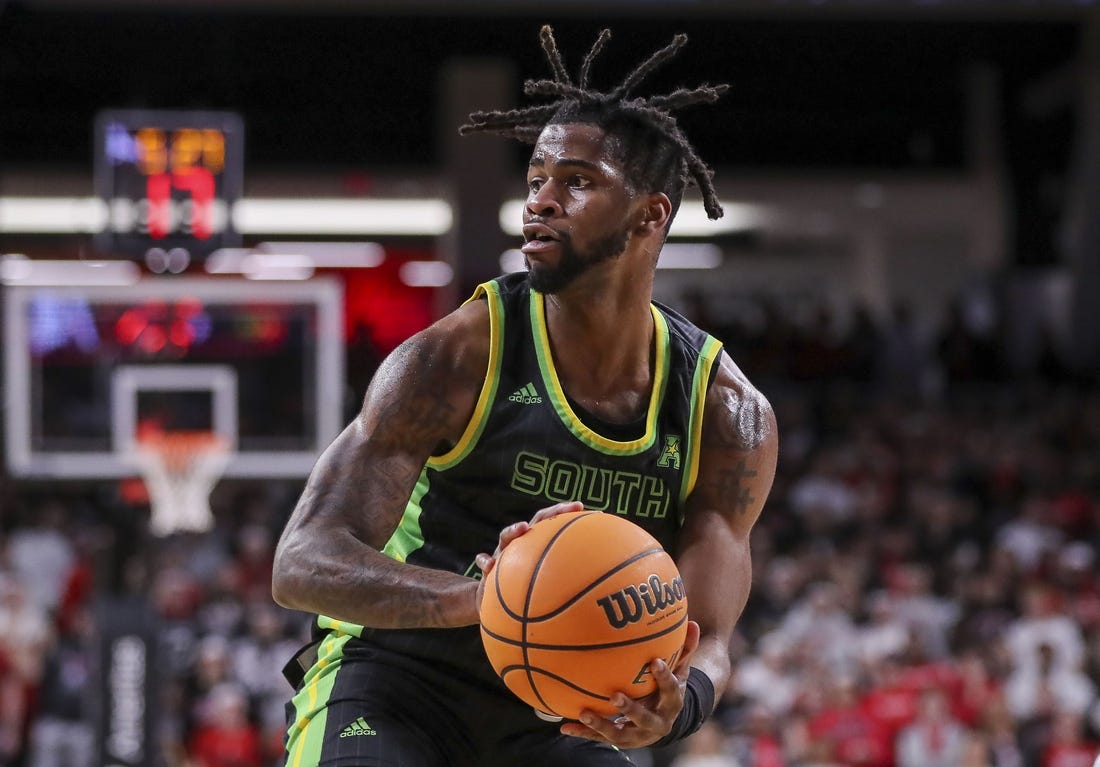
[169, 180]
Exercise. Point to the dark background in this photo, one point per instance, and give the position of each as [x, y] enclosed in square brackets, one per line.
[354, 85]
[351, 89]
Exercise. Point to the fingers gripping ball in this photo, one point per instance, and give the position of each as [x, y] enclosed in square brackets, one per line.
[577, 608]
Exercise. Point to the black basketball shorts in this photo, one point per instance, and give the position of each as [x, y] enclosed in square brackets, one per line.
[364, 706]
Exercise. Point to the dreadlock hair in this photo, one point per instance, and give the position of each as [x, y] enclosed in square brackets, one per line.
[656, 154]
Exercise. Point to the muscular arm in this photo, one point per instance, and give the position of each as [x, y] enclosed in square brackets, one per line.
[737, 466]
[328, 559]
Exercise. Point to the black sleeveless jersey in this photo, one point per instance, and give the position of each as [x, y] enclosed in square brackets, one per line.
[527, 447]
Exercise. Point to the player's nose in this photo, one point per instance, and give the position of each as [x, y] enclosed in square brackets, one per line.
[542, 202]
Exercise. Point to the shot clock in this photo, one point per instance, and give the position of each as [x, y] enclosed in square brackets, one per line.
[169, 179]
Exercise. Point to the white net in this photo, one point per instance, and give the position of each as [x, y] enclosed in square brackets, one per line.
[180, 469]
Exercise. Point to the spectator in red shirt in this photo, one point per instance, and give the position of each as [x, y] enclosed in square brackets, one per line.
[1068, 746]
[935, 738]
[225, 737]
[758, 744]
[855, 738]
[890, 702]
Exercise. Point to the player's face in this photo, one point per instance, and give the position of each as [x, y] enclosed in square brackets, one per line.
[579, 211]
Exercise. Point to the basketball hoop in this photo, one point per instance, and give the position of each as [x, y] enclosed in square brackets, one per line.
[180, 468]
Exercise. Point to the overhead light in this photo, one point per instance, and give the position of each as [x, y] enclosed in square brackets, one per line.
[331, 255]
[296, 216]
[691, 220]
[20, 270]
[277, 266]
[426, 274]
[52, 215]
[336, 216]
[674, 255]
[226, 260]
[295, 255]
[511, 217]
[687, 255]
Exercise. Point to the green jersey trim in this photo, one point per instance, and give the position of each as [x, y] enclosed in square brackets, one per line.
[699, 384]
[306, 733]
[408, 537]
[491, 291]
[565, 412]
[340, 627]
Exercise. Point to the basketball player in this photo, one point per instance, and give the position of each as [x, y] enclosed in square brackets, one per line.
[548, 391]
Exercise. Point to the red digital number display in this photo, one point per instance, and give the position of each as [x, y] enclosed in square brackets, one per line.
[169, 180]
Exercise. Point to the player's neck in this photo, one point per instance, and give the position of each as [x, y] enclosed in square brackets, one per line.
[597, 314]
[603, 349]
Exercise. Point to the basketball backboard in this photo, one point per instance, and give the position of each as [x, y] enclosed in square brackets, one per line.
[261, 364]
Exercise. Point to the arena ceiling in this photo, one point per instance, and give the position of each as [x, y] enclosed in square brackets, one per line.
[353, 85]
[360, 90]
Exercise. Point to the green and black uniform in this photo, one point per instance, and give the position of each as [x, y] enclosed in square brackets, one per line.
[429, 696]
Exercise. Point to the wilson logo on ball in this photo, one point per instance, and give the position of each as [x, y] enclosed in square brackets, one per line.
[627, 605]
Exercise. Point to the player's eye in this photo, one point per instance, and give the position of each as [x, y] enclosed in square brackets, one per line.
[579, 182]
[534, 184]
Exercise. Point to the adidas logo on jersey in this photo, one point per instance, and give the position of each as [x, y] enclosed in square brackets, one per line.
[526, 395]
[358, 727]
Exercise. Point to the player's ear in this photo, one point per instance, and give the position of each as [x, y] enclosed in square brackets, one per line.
[656, 212]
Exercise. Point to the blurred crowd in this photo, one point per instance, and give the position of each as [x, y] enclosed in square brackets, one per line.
[926, 579]
[216, 688]
[927, 591]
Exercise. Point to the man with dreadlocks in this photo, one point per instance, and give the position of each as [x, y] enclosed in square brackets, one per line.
[454, 452]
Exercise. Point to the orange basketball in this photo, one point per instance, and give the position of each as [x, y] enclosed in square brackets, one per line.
[577, 608]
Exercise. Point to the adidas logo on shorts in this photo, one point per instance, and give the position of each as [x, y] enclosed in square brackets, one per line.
[358, 727]
[526, 395]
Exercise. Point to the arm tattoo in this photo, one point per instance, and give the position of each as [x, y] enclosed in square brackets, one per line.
[730, 484]
[739, 423]
[416, 402]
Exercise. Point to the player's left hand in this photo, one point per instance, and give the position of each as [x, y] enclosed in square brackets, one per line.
[486, 562]
[645, 721]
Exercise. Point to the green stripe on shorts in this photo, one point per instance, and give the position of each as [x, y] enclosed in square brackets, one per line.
[307, 733]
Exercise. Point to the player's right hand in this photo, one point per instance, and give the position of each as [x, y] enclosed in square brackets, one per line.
[645, 721]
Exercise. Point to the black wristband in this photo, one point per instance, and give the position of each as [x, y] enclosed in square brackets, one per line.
[698, 705]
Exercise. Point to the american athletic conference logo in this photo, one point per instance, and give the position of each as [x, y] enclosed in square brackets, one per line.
[626, 606]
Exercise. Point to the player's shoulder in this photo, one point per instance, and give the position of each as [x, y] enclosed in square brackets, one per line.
[737, 414]
[428, 387]
[456, 344]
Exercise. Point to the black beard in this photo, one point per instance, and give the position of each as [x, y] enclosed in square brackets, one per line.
[573, 263]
